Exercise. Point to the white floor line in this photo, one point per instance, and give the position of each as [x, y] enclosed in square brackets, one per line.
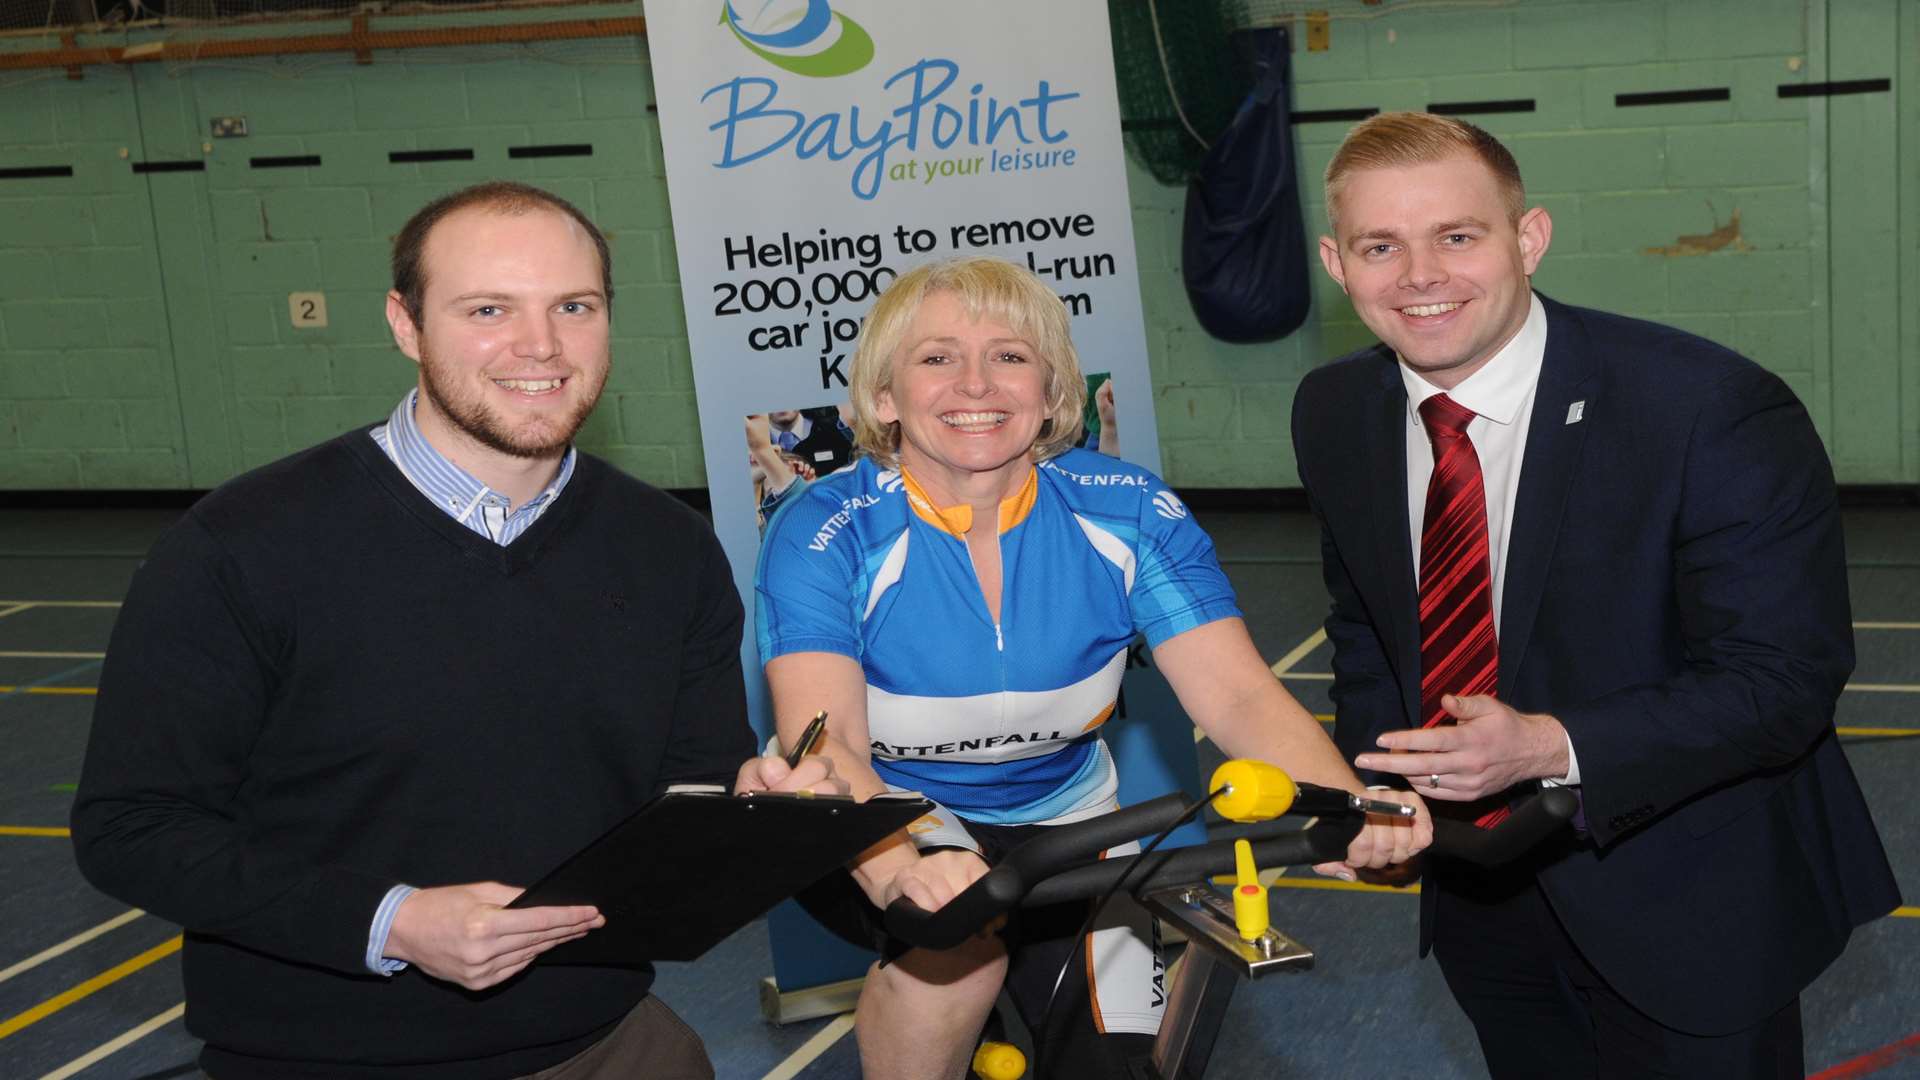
[65, 603]
[1317, 676]
[1300, 651]
[18, 655]
[1886, 626]
[117, 1043]
[17, 607]
[809, 1050]
[71, 943]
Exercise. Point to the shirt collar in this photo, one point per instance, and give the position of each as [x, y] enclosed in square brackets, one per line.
[1498, 390]
[446, 485]
[958, 520]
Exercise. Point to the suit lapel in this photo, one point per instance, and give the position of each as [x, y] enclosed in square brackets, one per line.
[1546, 476]
[1393, 547]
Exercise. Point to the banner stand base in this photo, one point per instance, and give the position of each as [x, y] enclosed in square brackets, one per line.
[791, 1006]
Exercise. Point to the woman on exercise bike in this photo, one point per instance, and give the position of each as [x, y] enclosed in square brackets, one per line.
[962, 601]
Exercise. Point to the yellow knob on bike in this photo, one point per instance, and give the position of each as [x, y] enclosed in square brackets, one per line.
[1250, 915]
[999, 1061]
[1256, 791]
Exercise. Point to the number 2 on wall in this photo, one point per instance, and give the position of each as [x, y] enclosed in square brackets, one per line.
[308, 310]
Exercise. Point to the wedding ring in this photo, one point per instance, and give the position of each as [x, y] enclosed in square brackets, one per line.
[1433, 781]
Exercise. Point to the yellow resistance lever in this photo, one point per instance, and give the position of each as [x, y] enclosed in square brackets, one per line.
[1249, 896]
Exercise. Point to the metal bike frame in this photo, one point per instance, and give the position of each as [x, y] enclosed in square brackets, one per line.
[1217, 959]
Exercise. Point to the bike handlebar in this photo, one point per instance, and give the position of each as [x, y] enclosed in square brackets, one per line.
[1013, 877]
[1030, 875]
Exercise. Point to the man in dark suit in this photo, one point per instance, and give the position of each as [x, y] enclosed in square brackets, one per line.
[1653, 609]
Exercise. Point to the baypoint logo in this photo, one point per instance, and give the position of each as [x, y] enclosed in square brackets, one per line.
[817, 42]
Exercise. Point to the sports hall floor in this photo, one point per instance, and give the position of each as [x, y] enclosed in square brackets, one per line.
[89, 988]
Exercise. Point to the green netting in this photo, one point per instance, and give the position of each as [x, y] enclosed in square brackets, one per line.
[1179, 82]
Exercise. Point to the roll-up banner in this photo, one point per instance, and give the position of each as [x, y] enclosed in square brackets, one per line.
[816, 150]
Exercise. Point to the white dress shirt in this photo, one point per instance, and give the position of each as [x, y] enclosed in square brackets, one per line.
[1501, 397]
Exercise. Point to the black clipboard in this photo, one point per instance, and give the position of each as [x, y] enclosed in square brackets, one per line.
[689, 868]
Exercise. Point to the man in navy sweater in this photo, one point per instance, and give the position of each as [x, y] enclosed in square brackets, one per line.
[352, 693]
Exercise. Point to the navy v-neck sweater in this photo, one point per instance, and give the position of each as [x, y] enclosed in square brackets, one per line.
[320, 686]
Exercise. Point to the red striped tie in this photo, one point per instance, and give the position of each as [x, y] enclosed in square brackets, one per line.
[1459, 653]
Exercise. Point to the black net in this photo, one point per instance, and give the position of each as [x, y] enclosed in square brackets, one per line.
[1179, 79]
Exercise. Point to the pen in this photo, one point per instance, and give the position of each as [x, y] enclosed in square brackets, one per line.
[808, 739]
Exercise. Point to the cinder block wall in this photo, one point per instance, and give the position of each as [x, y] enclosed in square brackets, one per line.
[1818, 284]
[146, 340]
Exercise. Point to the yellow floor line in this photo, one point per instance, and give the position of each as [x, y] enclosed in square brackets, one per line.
[1327, 718]
[56, 690]
[34, 830]
[16, 608]
[812, 1048]
[1872, 688]
[1300, 651]
[1886, 626]
[117, 1043]
[71, 943]
[1345, 886]
[99, 982]
[66, 603]
[1909, 911]
[17, 654]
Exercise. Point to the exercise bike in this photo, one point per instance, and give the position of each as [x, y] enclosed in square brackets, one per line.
[1228, 936]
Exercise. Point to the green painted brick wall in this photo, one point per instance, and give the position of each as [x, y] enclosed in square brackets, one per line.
[88, 397]
[1624, 185]
[145, 340]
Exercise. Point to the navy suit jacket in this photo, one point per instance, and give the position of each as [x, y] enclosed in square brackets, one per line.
[1676, 595]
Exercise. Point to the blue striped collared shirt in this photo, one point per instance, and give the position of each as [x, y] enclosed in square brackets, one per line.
[452, 489]
[479, 508]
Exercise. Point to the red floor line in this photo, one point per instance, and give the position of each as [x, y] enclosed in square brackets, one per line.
[1873, 1060]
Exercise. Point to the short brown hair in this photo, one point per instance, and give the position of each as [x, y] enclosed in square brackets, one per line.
[987, 288]
[1396, 140]
[496, 196]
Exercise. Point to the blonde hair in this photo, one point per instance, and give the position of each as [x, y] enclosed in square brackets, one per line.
[987, 288]
[1395, 140]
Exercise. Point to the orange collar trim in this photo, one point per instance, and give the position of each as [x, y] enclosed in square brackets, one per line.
[958, 520]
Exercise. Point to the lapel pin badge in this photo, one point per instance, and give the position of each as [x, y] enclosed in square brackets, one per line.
[1575, 411]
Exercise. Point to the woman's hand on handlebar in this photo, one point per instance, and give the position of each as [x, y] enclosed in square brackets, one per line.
[933, 879]
[1385, 841]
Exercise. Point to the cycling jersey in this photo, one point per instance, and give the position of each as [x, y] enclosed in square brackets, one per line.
[998, 723]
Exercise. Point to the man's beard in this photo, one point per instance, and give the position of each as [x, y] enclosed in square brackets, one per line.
[479, 422]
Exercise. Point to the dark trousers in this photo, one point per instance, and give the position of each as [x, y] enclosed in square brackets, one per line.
[1541, 1011]
[652, 1042]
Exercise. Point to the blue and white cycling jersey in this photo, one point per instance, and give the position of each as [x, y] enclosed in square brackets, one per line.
[998, 723]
